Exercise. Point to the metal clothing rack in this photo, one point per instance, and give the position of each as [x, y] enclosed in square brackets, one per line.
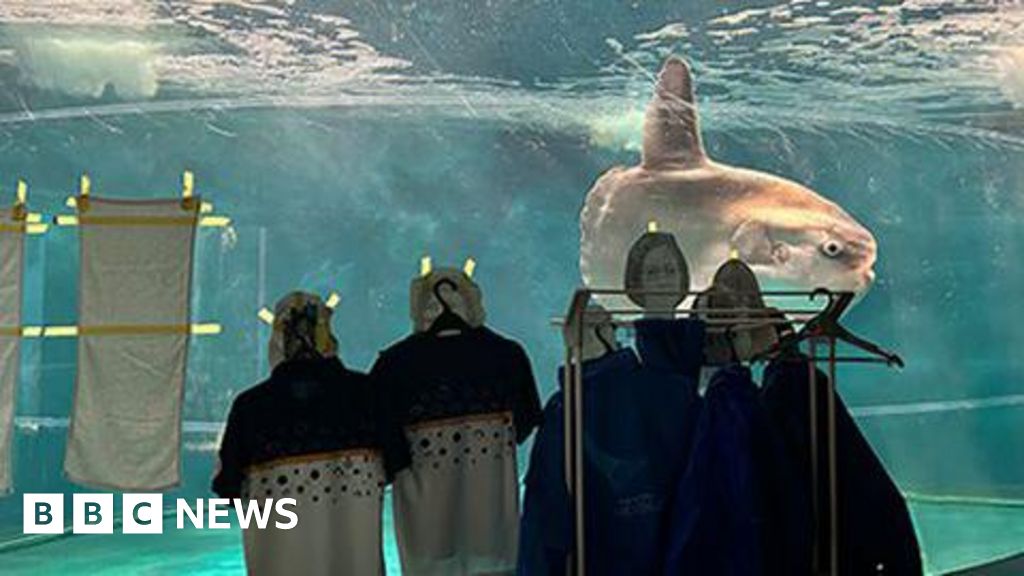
[576, 323]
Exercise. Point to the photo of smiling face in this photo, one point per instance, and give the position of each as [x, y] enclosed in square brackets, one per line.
[660, 270]
[656, 265]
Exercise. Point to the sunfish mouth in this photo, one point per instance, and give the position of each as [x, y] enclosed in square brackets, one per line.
[868, 280]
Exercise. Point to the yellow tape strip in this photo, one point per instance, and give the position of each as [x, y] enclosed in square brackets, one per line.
[59, 331]
[214, 221]
[137, 220]
[266, 316]
[28, 228]
[188, 184]
[208, 329]
[333, 300]
[148, 330]
[204, 222]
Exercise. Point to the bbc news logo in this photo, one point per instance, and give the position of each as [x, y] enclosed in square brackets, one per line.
[144, 513]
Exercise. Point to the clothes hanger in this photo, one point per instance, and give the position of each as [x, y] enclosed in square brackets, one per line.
[448, 320]
[294, 325]
[599, 340]
[608, 347]
[826, 325]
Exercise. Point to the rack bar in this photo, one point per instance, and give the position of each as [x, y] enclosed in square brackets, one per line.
[812, 394]
[622, 292]
[720, 312]
[833, 476]
[708, 321]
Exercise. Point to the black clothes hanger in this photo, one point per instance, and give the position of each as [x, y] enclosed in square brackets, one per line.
[608, 348]
[826, 325]
[301, 325]
[448, 320]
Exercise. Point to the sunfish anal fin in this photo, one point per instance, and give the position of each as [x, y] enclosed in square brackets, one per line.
[671, 129]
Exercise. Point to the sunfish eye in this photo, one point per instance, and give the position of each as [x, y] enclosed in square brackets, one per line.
[832, 248]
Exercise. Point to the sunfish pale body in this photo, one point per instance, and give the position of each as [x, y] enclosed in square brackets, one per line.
[791, 236]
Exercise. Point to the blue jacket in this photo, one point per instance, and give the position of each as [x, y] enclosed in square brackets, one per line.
[636, 438]
[737, 511]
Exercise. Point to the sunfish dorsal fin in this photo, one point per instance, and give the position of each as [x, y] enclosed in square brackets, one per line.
[671, 129]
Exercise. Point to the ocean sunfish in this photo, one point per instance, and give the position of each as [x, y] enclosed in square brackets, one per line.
[792, 237]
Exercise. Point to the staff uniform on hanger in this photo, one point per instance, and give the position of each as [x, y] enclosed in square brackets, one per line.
[308, 433]
[639, 415]
[876, 534]
[735, 511]
[456, 406]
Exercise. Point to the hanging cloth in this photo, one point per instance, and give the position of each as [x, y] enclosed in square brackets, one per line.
[455, 408]
[134, 287]
[310, 433]
[876, 534]
[736, 511]
[638, 417]
[12, 236]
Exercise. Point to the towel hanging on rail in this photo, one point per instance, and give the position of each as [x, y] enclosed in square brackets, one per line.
[12, 243]
[134, 288]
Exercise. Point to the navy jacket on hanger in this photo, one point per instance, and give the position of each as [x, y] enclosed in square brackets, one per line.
[636, 437]
[876, 535]
[736, 512]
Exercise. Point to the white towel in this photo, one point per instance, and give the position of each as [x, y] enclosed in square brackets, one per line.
[136, 272]
[11, 257]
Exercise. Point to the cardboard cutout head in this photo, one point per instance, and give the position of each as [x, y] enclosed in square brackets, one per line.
[735, 286]
[301, 329]
[656, 264]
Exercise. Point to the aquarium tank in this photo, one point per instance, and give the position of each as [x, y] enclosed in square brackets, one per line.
[345, 140]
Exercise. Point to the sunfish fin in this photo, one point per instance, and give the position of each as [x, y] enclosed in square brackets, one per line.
[753, 244]
[671, 127]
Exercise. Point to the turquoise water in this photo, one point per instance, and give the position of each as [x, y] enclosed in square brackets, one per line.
[348, 139]
[949, 533]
